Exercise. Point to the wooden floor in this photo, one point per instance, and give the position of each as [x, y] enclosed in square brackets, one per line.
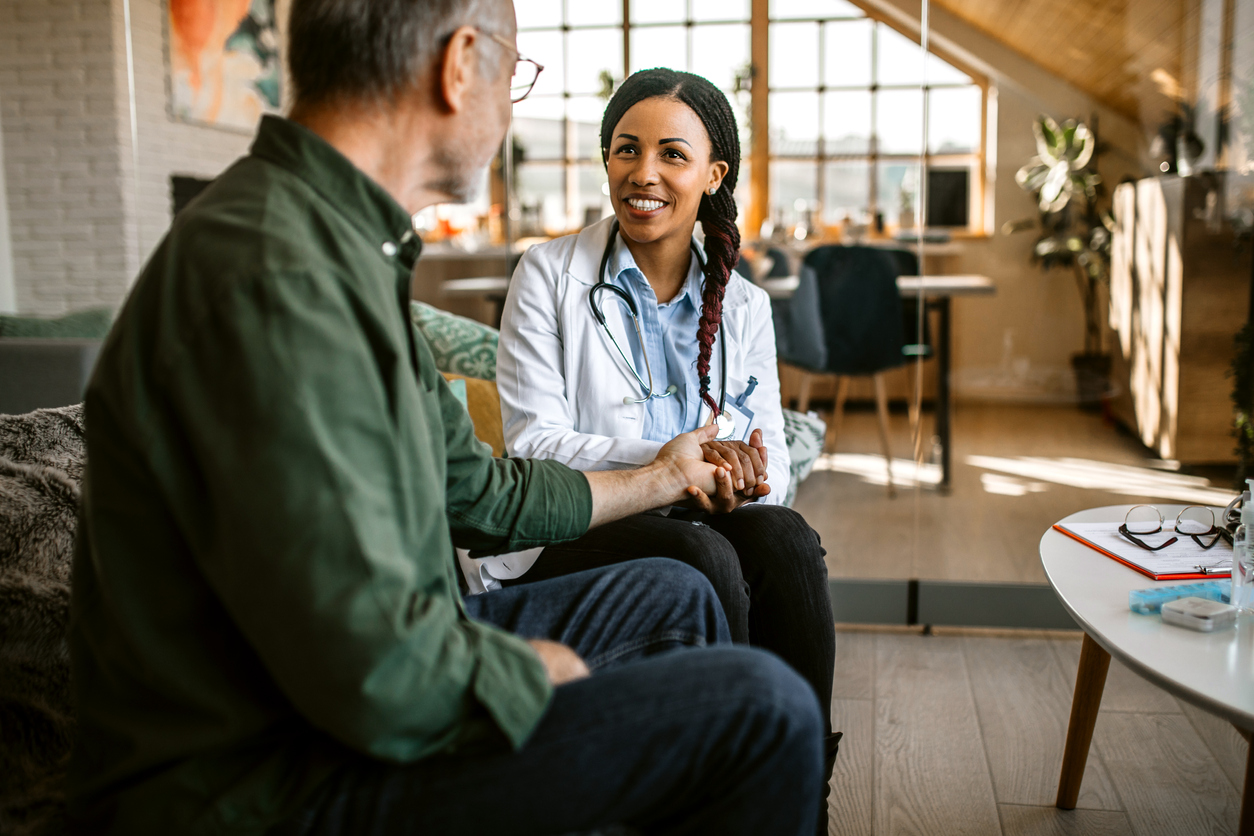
[962, 732]
[1017, 470]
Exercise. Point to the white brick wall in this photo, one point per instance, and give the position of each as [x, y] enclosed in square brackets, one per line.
[74, 204]
[60, 154]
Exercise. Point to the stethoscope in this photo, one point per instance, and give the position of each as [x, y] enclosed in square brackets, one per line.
[726, 423]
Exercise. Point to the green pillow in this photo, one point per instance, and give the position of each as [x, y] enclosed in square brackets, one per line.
[804, 435]
[460, 345]
[92, 324]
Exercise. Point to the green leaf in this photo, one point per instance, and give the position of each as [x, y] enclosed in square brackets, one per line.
[1087, 145]
[1046, 130]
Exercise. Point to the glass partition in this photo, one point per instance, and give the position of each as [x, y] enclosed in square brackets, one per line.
[1064, 194]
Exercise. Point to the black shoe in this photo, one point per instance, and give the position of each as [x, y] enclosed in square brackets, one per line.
[831, 747]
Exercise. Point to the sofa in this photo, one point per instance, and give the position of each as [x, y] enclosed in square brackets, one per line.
[42, 457]
[47, 362]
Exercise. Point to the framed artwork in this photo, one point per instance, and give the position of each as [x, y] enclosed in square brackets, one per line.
[223, 58]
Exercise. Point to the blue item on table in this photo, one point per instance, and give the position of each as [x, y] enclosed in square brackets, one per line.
[1150, 601]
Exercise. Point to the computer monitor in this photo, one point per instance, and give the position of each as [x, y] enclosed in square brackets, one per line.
[948, 197]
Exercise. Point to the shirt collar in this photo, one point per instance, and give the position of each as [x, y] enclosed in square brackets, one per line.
[623, 268]
[365, 203]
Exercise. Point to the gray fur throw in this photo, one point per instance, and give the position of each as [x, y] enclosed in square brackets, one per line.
[41, 466]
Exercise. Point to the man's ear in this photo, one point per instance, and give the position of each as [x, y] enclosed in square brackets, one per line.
[458, 68]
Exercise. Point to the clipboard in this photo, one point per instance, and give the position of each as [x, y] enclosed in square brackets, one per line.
[1095, 536]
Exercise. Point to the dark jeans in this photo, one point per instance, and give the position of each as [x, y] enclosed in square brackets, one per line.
[721, 740]
[766, 565]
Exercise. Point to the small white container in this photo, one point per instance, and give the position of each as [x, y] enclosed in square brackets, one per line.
[1199, 614]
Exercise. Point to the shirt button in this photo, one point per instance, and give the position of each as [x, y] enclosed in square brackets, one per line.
[389, 249]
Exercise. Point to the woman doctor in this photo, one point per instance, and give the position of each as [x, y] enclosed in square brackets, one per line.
[615, 340]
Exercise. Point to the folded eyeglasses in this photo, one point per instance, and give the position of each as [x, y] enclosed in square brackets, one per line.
[1194, 521]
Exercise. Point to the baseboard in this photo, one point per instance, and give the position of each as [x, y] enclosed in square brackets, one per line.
[1026, 606]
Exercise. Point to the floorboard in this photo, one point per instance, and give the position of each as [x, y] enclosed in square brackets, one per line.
[962, 733]
[851, 805]
[1125, 691]
[1168, 779]
[1024, 704]
[1050, 821]
[1229, 748]
[931, 773]
[855, 665]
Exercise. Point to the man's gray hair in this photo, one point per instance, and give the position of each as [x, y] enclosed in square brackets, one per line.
[373, 49]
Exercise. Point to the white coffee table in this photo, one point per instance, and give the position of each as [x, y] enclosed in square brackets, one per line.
[1214, 671]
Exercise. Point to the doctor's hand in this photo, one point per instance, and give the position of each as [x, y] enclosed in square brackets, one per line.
[745, 462]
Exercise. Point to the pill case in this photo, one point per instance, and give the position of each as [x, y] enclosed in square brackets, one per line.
[1199, 614]
[1150, 601]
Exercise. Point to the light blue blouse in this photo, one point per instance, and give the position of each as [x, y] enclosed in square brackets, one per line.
[670, 332]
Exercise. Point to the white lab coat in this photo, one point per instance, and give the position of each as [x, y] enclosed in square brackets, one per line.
[562, 382]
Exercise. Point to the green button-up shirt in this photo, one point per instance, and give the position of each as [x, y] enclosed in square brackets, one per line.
[277, 475]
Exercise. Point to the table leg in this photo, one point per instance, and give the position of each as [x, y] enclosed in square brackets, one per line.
[943, 409]
[1090, 679]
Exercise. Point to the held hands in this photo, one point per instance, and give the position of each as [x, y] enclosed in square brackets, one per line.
[745, 462]
[741, 475]
[714, 476]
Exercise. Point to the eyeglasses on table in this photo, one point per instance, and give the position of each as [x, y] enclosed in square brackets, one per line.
[1194, 521]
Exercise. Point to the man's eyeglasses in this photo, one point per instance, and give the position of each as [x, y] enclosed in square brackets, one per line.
[526, 71]
[1195, 521]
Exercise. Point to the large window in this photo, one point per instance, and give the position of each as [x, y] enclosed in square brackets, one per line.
[582, 44]
[846, 116]
[845, 103]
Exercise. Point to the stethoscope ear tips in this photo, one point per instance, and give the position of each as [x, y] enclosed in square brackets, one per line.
[628, 401]
[672, 389]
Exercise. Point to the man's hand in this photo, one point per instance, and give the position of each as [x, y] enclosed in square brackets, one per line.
[746, 462]
[682, 464]
[560, 662]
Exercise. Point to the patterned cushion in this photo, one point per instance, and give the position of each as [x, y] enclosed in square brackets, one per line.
[804, 436]
[460, 345]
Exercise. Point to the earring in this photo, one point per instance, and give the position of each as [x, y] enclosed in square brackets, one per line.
[713, 189]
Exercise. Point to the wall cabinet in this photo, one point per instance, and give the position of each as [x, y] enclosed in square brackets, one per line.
[1180, 290]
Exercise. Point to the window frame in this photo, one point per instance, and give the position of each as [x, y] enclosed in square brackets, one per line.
[758, 186]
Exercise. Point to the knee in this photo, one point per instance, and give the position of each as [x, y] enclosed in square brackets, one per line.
[774, 703]
[709, 551]
[681, 590]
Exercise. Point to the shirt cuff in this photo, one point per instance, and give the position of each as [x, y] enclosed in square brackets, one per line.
[511, 683]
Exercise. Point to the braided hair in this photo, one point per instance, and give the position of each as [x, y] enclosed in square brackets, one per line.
[717, 212]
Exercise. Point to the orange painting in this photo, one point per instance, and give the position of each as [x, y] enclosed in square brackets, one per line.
[224, 61]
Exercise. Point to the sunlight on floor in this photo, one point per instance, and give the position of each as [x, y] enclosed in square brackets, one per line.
[1009, 485]
[873, 470]
[1023, 475]
[1097, 475]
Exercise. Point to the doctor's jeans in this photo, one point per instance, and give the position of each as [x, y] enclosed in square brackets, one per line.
[666, 736]
[766, 565]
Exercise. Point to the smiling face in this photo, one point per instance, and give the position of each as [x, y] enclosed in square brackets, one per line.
[659, 166]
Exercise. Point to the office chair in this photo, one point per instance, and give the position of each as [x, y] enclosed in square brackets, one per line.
[845, 320]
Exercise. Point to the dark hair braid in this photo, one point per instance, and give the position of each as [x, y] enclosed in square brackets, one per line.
[717, 212]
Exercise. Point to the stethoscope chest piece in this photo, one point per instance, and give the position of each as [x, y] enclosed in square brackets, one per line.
[726, 426]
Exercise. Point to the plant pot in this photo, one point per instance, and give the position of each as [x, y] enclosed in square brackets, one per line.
[1092, 379]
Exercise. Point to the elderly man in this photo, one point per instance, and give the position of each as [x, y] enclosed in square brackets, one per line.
[267, 634]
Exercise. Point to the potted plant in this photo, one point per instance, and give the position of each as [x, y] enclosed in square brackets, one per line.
[1072, 232]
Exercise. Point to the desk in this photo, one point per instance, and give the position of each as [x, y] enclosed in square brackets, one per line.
[936, 292]
[1214, 671]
